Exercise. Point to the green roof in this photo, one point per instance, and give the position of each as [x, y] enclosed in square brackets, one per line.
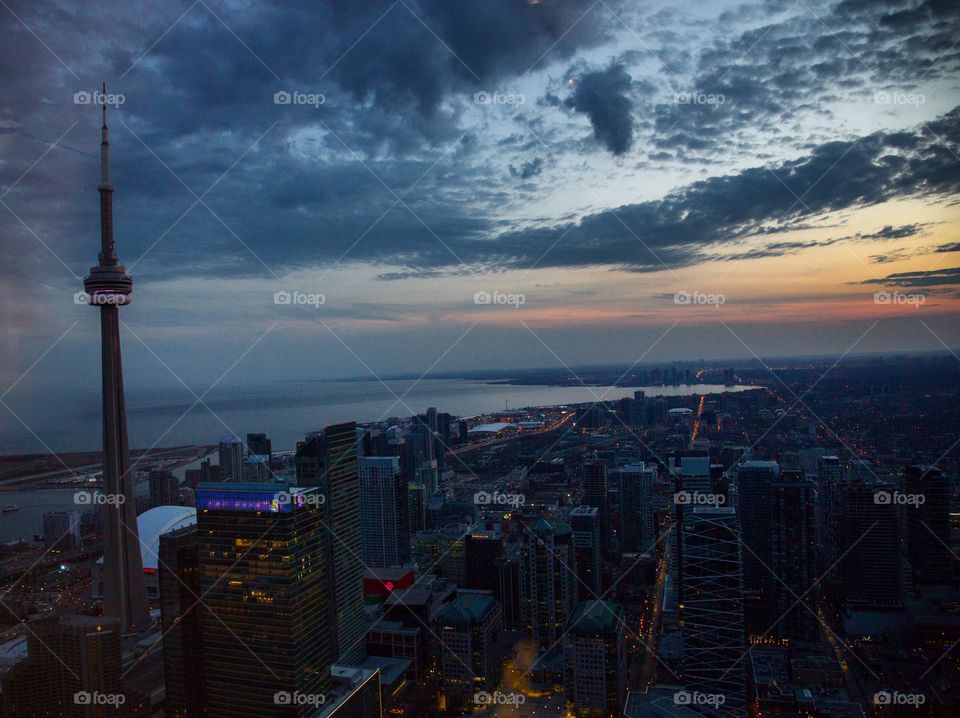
[593, 617]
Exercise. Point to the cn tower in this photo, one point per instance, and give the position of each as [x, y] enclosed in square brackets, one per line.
[108, 287]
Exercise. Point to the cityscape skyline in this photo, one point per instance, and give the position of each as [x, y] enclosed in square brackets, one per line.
[684, 446]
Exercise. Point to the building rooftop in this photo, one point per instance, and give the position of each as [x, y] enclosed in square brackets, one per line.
[468, 609]
[545, 528]
[596, 617]
[391, 669]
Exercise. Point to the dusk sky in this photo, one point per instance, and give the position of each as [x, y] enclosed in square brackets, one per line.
[779, 162]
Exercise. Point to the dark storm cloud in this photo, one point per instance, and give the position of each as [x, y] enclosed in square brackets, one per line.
[603, 96]
[383, 171]
[774, 76]
[948, 247]
[679, 229]
[929, 278]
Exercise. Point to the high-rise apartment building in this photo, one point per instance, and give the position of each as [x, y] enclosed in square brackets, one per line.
[792, 550]
[384, 511]
[869, 545]
[547, 594]
[164, 489]
[419, 461]
[585, 528]
[596, 493]
[635, 483]
[231, 458]
[328, 461]
[926, 502]
[754, 496]
[61, 530]
[481, 548]
[830, 479]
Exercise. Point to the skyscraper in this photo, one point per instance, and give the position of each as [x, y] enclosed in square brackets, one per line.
[481, 548]
[711, 614]
[259, 445]
[164, 489]
[328, 460]
[754, 497]
[257, 464]
[596, 659]
[793, 558]
[384, 512]
[507, 590]
[869, 546]
[928, 525]
[231, 458]
[636, 506]
[830, 477]
[585, 525]
[546, 581]
[469, 641]
[67, 658]
[595, 494]
[61, 530]
[182, 614]
[108, 287]
[265, 580]
[420, 463]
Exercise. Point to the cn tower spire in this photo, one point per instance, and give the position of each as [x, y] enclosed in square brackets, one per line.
[108, 253]
[108, 288]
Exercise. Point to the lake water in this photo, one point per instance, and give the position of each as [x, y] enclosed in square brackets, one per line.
[285, 411]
